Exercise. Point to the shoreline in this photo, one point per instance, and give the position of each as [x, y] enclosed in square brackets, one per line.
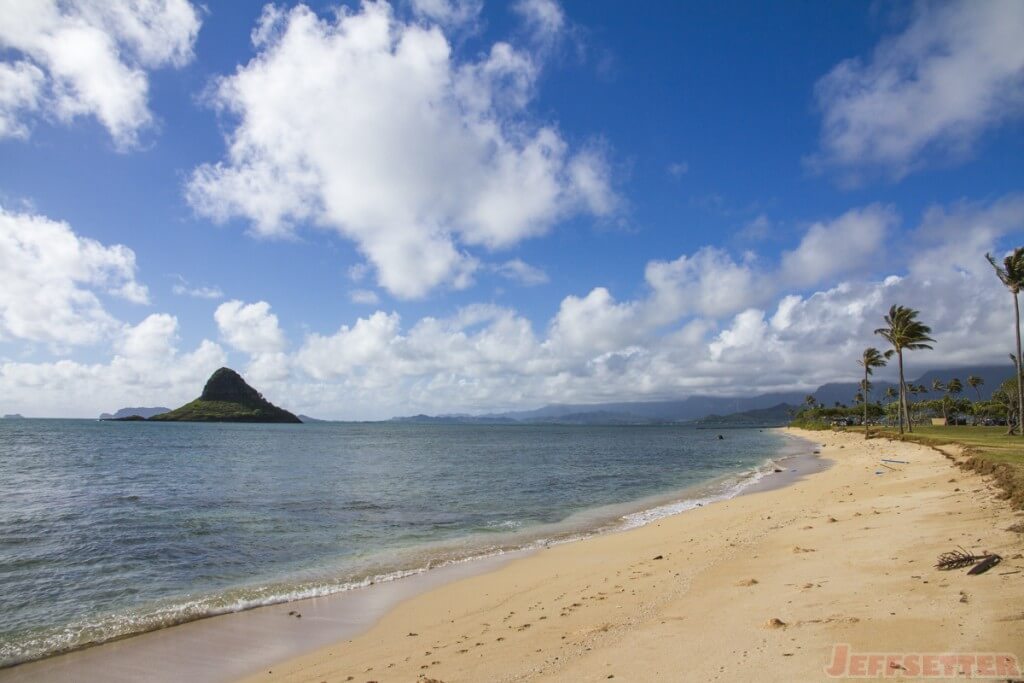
[760, 586]
[334, 611]
[765, 586]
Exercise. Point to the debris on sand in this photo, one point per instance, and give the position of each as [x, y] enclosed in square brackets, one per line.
[986, 564]
[775, 622]
[960, 558]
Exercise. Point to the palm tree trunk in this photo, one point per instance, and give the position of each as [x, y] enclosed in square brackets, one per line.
[903, 391]
[1020, 388]
[866, 430]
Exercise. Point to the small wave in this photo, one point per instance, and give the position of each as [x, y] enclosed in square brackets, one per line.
[505, 525]
[729, 488]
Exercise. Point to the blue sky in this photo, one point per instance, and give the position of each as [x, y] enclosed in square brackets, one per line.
[448, 205]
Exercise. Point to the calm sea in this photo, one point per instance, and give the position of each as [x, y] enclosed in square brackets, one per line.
[109, 529]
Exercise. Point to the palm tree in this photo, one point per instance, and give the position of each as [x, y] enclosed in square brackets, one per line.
[905, 332]
[1011, 274]
[937, 385]
[953, 389]
[891, 394]
[974, 382]
[914, 390]
[869, 360]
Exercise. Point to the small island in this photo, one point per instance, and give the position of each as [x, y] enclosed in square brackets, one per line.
[228, 398]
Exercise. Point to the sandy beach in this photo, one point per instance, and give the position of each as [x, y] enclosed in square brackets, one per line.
[759, 587]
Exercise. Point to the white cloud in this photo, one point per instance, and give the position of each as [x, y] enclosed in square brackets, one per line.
[707, 324]
[366, 297]
[709, 282]
[183, 288]
[250, 328]
[449, 12]
[704, 323]
[369, 126]
[52, 279]
[847, 244]
[596, 322]
[89, 58]
[147, 369]
[20, 86]
[545, 18]
[350, 349]
[956, 71]
[522, 272]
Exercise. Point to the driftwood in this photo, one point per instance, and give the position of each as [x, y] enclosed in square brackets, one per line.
[960, 558]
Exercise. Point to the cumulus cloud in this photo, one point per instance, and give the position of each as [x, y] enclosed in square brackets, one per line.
[371, 127]
[703, 323]
[250, 328]
[709, 282]
[954, 72]
[21, 84]
[53, 279]
[89, 58]
[147, 368]
[845, 245]
[254, 330]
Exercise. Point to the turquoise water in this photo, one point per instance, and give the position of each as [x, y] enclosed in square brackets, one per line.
[109, 529]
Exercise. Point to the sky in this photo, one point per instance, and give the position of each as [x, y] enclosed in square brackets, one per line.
[461, 206]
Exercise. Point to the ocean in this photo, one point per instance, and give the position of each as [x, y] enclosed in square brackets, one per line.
[108, 529]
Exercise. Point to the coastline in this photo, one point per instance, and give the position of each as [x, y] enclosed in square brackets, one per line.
[258, 637]
[757, 587]
[688, 595]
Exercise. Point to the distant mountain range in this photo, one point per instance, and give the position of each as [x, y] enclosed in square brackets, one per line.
[770, 408]
[775, 416]
[131, 412]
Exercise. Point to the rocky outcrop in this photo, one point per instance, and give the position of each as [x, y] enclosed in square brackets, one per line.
[228, 398]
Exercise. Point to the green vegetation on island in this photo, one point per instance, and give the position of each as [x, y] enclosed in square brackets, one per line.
[228, 398]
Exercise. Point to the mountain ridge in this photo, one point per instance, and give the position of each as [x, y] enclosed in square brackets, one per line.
[698, 407]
